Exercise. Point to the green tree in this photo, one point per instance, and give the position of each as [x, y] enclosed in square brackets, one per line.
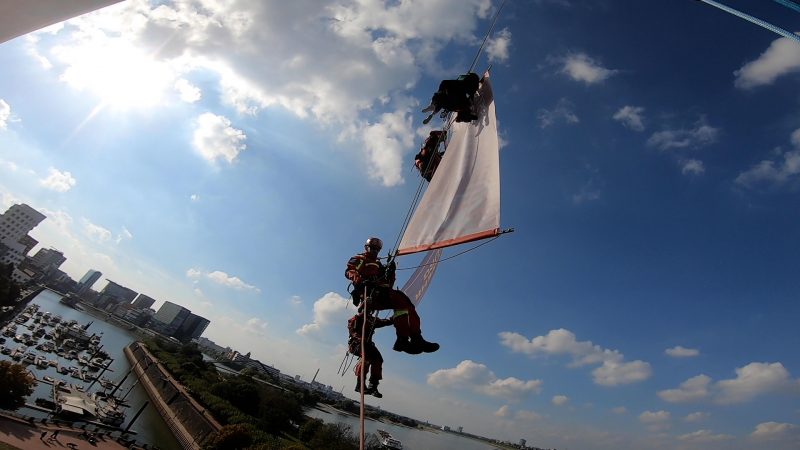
[9, 290]
[230, 437]
[242, 394]
[17, 384]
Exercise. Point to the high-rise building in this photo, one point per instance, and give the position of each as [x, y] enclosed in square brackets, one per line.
[48, 259]
[191, 328]
[170, 317]
[15, 224]
[143, 302]
[88, 280]
[114, 293]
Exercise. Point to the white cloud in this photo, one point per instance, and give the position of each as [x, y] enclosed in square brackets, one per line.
[497, 48]
[700, 135]
[619, 410]
[560, 400]
[224, 279]
[215, 138]
[353, 57]
[194, 197]
[5, 114]
[256, 326]
[58, 181]
[696, 416]
[655, 421]
[386, 142]
[221, 278]
[96, 232]
[296, 300]
[631, 117]
[123, 235]
[693, 389]
[580, 67]
[781, 58]
[503, 411]
[692, 167]
[774, 172]
[331, 308]
[681, 352]
[704, 436]
[773, 430]
[189, 93]
[753, 380]
[613, 370]
[562, 112]
[479, 378]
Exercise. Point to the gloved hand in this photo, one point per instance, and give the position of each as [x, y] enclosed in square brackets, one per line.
[356, 279]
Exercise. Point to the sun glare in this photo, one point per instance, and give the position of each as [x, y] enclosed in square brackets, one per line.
[120, 75]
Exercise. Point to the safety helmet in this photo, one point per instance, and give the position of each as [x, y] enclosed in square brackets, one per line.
[373, 243]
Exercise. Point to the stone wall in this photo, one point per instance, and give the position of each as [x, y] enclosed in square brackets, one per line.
[188, 420]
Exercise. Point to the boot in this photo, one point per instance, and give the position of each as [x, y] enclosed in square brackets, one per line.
[358, 385]
[372, 389]
[420, 344]
[403, 345]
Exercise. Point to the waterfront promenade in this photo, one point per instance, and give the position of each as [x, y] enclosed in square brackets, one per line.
[21, 434]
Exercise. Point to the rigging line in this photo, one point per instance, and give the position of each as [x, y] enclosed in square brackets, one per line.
[451, 257]
[494, 21]
[789, 4]
[753, 20]
[361, 435]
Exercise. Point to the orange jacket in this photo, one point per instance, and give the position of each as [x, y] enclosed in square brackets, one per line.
[365, 268]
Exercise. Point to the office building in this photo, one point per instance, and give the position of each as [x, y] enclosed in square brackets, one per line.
[113, 294]
[143, 302]
[88, 280]
[48, 259]
[169, 318]
[15, 224]
[191, 328]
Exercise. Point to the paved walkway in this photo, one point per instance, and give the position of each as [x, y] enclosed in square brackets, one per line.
[24, 436]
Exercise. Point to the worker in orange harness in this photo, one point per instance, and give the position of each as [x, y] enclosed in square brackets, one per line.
[372, 361]
[368, 275]
[429, 156]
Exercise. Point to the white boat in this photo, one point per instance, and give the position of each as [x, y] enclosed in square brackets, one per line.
[388, 441]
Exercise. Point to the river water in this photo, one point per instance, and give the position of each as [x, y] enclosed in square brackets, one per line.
[412, 438]
[149, 426]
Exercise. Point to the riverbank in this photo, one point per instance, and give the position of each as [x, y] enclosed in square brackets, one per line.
[28, 435]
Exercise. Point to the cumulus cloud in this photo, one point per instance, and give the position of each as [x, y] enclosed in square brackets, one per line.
[498, 46]
[631, 117]
[681, 352]
[296, 300]
[693, 389]
[331, 308]
[479, 378]
[774, 430]
[692, 167]
[194, 197]
[386, 142]
[696, 416]
[221, 278]
[560, 400]
[781, 57]
[332, 63]
[562, 112]
[58, 181]
[613, 369]
[215, 138]
[527, 415]
[96, 232]
[775, 172]
[700, 135]
[704, 436]
[124, 235]
[752, 380]
[503, 411]
[619, 410]
[5, 114]
[581, 67]
[256, 325]
[655, 420]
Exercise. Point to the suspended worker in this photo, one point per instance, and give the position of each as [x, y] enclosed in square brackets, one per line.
[372, 362]
[456, 96]
[429, 156]
[370, 276]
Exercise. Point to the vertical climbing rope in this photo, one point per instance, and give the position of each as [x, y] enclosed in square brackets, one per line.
[361, 435]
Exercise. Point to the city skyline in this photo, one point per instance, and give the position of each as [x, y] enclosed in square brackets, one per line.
[232, 156]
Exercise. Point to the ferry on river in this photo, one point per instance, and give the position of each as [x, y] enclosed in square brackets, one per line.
[388, 441]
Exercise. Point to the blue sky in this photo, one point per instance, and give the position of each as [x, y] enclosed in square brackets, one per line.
[231, 156]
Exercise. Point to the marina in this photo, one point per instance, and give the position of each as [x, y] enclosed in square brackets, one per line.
[81, 372]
